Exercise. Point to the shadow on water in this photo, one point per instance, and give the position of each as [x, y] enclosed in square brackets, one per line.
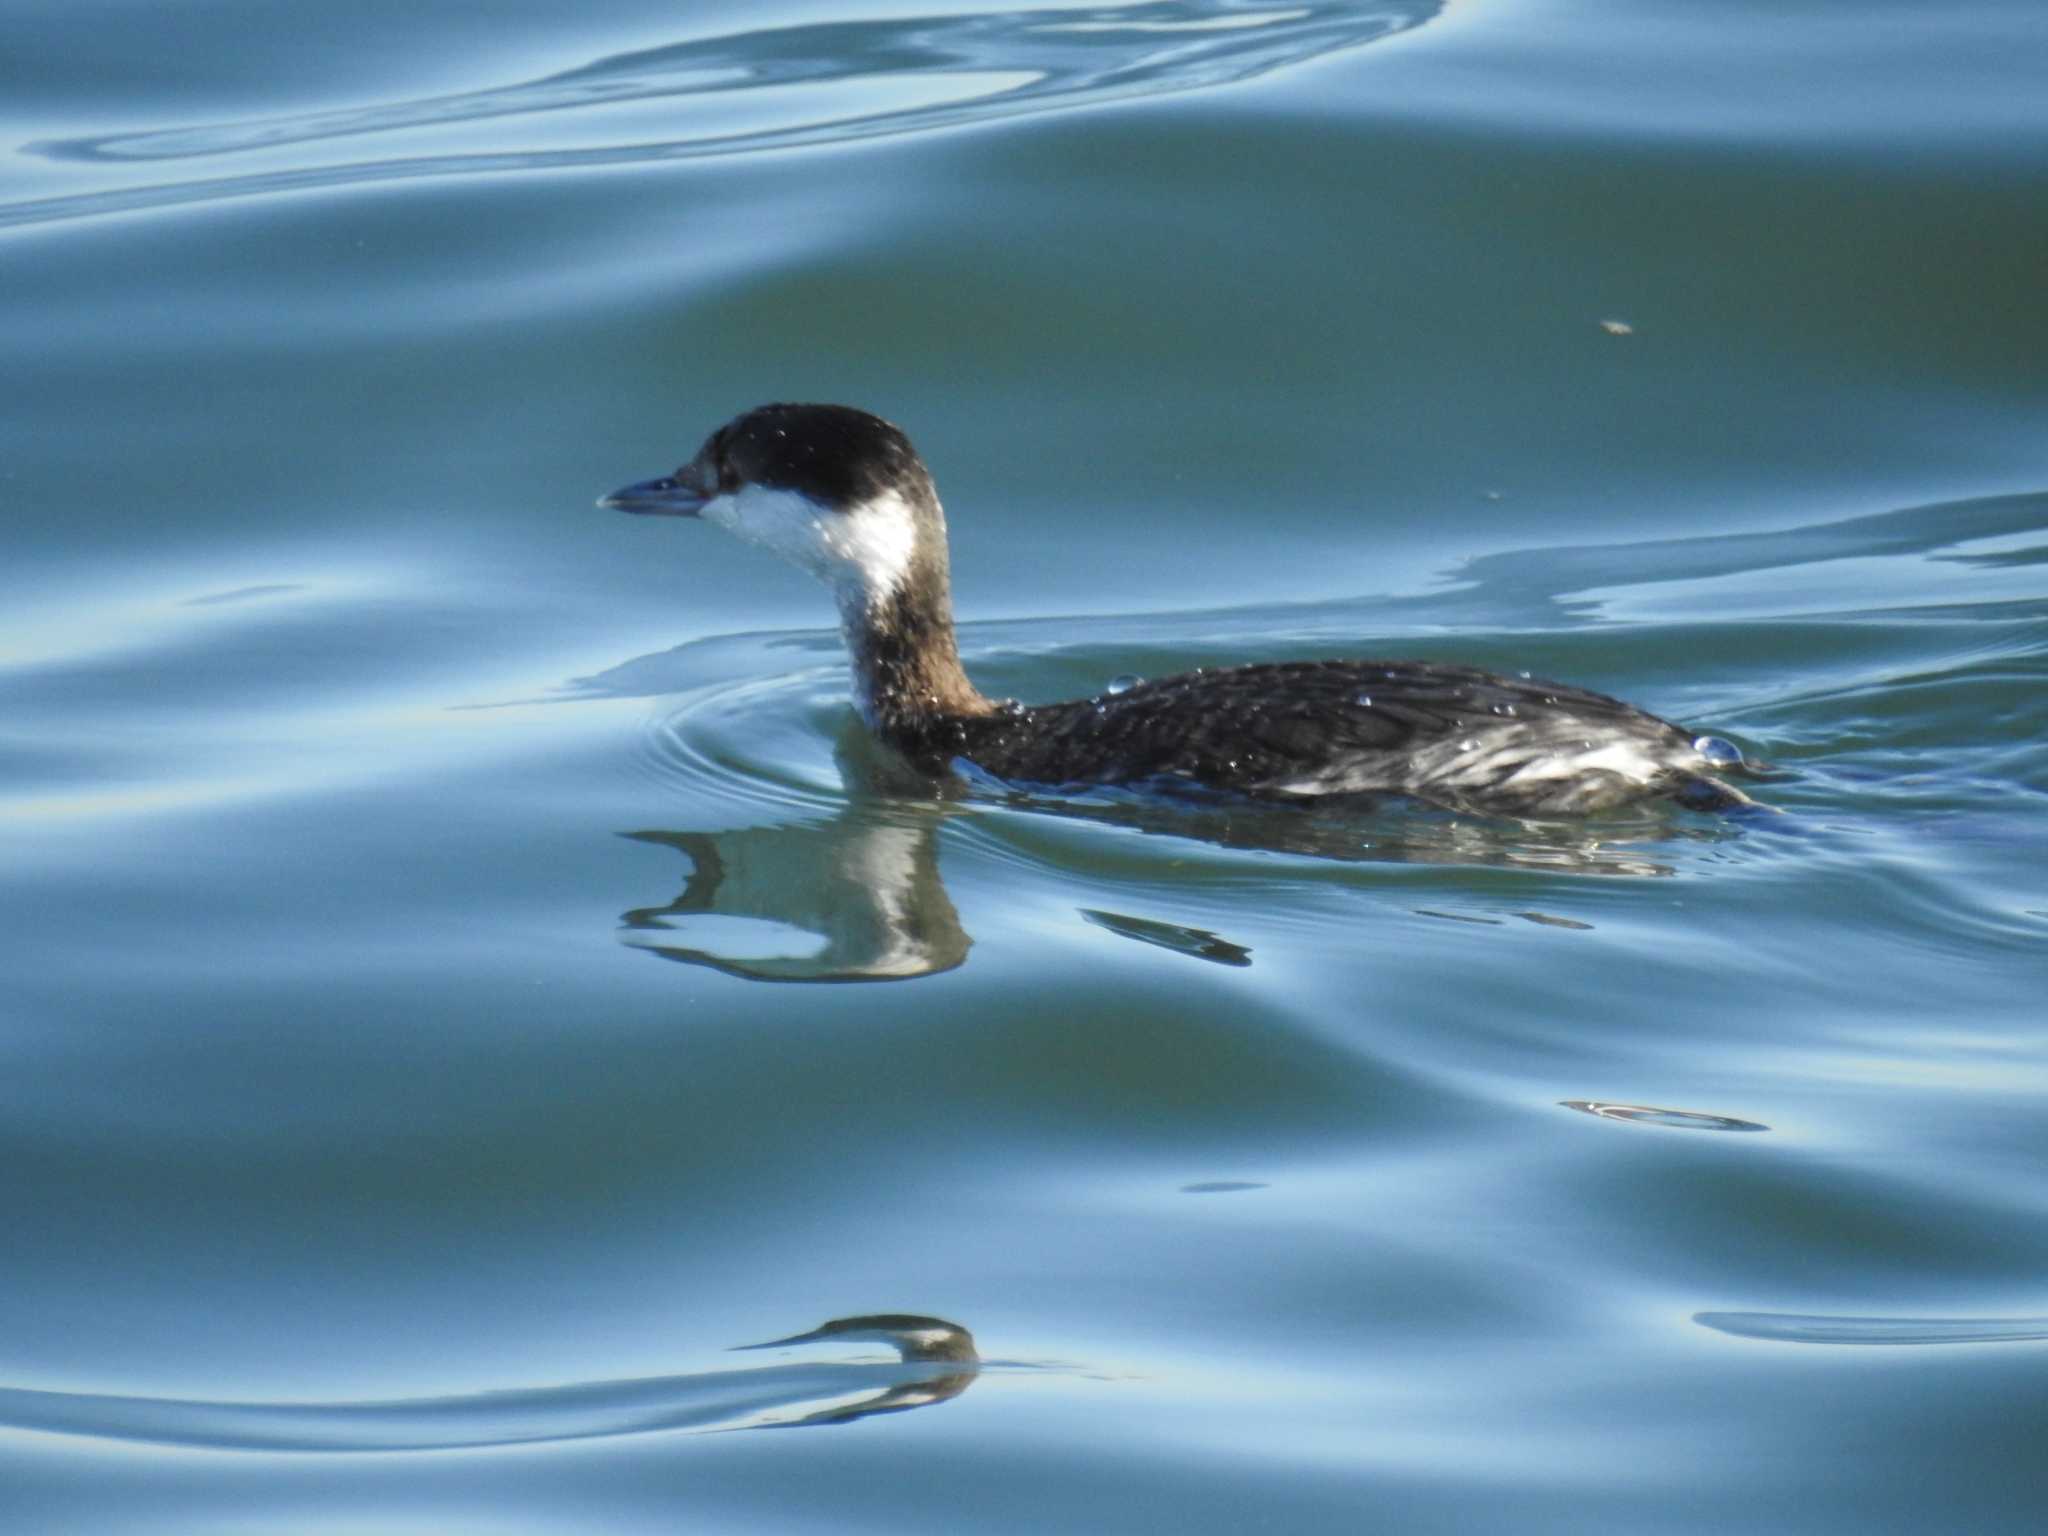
[994, 65]
[937, 1362]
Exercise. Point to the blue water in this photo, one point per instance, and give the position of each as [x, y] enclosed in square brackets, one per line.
[467, 972]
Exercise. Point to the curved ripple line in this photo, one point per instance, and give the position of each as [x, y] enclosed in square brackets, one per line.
[687, 749]
[1557, 582]
[1067, 58]
[1650, 1114]
[708, 1401]
[1805, 1328]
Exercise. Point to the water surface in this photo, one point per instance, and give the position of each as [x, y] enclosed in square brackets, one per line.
[467, 971]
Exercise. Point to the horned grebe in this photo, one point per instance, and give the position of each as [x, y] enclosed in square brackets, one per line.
[844, 495]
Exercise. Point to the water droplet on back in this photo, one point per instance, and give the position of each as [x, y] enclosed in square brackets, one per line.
[1718, 750]
[1123, 682]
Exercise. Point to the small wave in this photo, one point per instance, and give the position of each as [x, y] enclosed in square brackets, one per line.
[741, 727]
[1804, 1328]
[1002, 65]
[1913, 556]
[764, 745]
[773, 1397]
[245, 594]
[1673, 1119]
[1198, 943]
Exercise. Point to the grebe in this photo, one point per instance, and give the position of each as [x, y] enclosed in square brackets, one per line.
[843, 494]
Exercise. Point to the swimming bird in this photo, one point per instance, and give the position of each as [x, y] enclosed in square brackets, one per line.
[843, 494]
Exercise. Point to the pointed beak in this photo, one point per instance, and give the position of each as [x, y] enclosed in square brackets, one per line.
[670, 496]
[796, 1338]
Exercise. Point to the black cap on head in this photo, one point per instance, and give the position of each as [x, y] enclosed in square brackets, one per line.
[834, 454]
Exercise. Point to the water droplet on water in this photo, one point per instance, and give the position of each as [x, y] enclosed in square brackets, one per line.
[1365, 699]
[1504, 709]
[1467, 744]
[1717, 750]
[1123, 682]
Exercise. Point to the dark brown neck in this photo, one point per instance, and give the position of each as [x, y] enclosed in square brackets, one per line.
[907, 676]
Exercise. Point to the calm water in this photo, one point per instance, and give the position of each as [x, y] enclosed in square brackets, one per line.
[425, 894]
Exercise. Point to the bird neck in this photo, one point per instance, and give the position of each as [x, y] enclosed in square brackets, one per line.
[907, 676]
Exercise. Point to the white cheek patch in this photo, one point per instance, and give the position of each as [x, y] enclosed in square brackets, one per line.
[878, 538]
[866, 548]
[782, 522]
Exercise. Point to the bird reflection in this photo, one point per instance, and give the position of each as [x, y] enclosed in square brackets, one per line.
[860, 897]
[917, 1340]
[856, 898]
[863, 890]
[1365, 829]
[936, 1360]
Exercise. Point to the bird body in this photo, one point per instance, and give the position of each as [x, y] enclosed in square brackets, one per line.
[842, 494]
